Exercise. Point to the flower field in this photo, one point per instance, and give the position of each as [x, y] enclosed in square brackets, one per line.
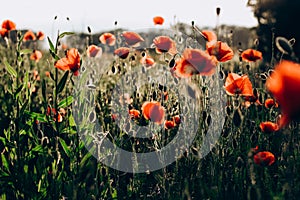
[147, 114]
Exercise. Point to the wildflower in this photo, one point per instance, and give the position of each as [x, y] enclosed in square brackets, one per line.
[94, 51]
[134, 114]
[268, 127]
[236, 84]
[153, 111]
[36, 55]
[220, 50]
[158, 20]
[108, 38]
[165, 44]
[264, 158]
[269, 103]
[210, 36]
[7, 25]
[47, 73]
[169, 124]
[40, 35]
[122, 52]
[70, 62]
[251, 55]
[132, 38]
[29, 35]
[56, 115]
[177, 119]
[195, 61]
[284, 85]
[147, 61]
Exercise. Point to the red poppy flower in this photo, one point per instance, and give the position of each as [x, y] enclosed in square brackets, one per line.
[70, 62]
[251, 55]
[122, 52]
[8, 25]
[284, 85]
[158, 20]
[153, 111]
[29, 35]
[36, 55]
[108, 38]
[165, 44]
[268, 127]
[134, 114]
[169, 124]
[56, 115]
[195, 61]
[177, 119]
[269, 103]
[147, 61]
[264, 158]
[220, 50]
[132, 38]
[40, 35]
[210, 36]
[94, 51]
[236, 84]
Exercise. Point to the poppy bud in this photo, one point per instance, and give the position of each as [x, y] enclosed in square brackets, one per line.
[218, 10]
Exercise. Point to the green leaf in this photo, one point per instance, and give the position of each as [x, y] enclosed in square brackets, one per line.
[24, 107]
[72, 121]
[38, 116]
[65, 147]
[66, 102]
[4, 162]
[10, 69]
[44, 90]
[54, 55]
[51, 45]
[65, 33]
[62, 82]
[25, 51]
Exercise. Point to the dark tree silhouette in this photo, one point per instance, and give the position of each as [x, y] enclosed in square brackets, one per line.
[276, 18]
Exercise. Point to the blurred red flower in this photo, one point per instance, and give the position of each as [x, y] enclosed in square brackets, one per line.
[268, 127]
[132, 38]
[158, 20]
[122, 52]
[165, 44]
[220, 50]
[70, 62]
[169, 124]
[284, 85]
[94, 51]
[195, 61]
[36, 55]
[147, 61]
[29, 35]
[134, 114]
[7, 25]
[264, 158]
[251, 55]
[269, 103]
[210, 36]
[108, 38]
[236, 84]
[40, 35]
[153, 111]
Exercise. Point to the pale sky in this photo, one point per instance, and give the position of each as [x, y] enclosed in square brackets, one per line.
[131, 14]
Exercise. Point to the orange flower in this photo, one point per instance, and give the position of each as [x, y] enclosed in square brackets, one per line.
[36, 55]
[169, 124]
[264, 158]
[210, 36]
[7, 26]
[269, 103]
[134, 114]
[56, 115]
[108, 38]
[268, 127]
[132, 38]
[94, 51]
[236, 84]
[40, 35]
[165, 44]
[220, 50]
[122, 52]
[147, 61]
[153, 111]
[158, 20]
[70, 62]
[284, 85]
[29, 35]
[251, 55]
[195, 61]
[47, 73]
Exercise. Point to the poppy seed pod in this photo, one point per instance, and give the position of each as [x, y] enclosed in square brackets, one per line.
[218, 10]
